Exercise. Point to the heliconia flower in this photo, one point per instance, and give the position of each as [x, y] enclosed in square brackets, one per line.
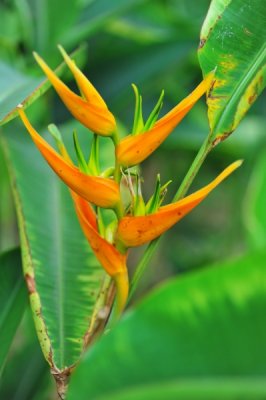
[135, 231]
[103, 192]
[133, 149]
[85, 209]
[91, 110]
[110, 258]
[85, 86]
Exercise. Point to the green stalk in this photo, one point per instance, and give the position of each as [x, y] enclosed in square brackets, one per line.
[181, 192]
[194, 169]
[119, 210]
[117, 172]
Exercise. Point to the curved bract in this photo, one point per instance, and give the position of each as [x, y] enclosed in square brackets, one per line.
[135, 231]
[92, 114]
[110, 258]
[100, 191]
[86, 88]
[133, 149]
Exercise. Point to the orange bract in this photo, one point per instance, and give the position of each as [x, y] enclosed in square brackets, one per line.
[110, 258]
[100, 191]
[84, 208]
[85, 86]
[92, 111]
[112, 261]
[135, 231]
[133, 150]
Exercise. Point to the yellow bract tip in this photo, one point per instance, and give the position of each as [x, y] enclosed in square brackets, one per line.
[37, 57]
[91, 110]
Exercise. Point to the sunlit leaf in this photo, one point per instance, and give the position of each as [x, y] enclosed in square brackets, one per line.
[254, 203]
[233, 40]
[201, 336]
[16, 88]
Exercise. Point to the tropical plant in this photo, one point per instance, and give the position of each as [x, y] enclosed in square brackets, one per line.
[200, 335]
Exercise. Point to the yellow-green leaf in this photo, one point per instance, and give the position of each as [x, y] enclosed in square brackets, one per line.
[233, 40]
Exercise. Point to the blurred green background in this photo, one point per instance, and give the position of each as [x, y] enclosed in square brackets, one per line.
[154, 45]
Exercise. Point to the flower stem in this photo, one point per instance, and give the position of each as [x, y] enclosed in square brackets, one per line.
[194, 169]
[143, 263]
[117, 172]
[121, 282]
[181, 192]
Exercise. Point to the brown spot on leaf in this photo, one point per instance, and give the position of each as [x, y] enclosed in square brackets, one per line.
[252, 98]
[202, 43]
[216, 97]
[50, 358]
[30, 283]
[96, 328]
[211, 89]
[220, 138]
[247, 32]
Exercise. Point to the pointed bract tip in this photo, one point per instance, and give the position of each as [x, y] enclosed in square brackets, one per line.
[52, 128]
[236, 164]
[210, 77]
[40, 62]
[62, 51]
[135, 89]
[36, 56]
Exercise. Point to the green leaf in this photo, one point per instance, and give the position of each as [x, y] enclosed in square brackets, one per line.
[7, 212]
[138, 123]
[195, 389]
[63, 277]
[13, 299]
[16, 88]
[192, 335]
[54, 19]
[233, 40]
[26, 363]
[83, 166]
[93, 163]
[95, 16]
[254, 203]
[155, 113]
[154, 202]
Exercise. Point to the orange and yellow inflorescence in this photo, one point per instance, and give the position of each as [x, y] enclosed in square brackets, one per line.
[135, 223]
